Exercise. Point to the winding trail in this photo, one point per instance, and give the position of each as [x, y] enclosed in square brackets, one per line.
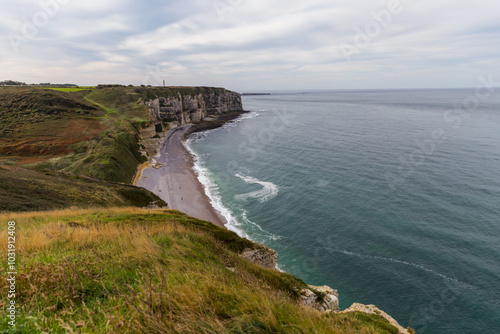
[175, 181]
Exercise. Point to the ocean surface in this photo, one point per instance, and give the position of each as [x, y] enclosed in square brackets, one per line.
[390, 196]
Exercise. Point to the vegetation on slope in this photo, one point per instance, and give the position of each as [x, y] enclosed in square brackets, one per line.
[39, 122]
[151, 93]
[27, 190]
[92, 131]
[113, 154]
[141, 271]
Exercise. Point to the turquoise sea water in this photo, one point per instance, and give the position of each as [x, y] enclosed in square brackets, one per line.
[391, 197]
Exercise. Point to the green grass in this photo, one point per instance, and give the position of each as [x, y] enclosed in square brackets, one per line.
[142, 271]
[33, 121]
[24, 104]
[28, 190]
[108, 110]
[68, 89]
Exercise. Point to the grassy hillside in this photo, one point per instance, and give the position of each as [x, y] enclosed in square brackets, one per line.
[92, 131]
[88, 131]
[139, 271]
[37, 122]
[113, 154]
[27, 190]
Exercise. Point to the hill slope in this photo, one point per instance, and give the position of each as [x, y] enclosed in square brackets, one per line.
[96, 131]
[88, 132]
[140, 271]
[27, 190]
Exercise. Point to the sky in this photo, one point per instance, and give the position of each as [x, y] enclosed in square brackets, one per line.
[253, 45]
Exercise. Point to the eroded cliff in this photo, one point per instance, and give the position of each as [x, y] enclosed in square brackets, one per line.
[183, 105]
[170, 107]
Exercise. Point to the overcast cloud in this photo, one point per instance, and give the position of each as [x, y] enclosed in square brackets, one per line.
[252, 45]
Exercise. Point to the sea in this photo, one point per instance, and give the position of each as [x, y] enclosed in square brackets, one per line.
[392, 197]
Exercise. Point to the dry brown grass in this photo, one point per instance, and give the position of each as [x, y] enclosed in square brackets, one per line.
[70, 212]
[130, 270]
[38, 231]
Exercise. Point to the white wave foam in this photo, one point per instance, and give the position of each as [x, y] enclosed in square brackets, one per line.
[240, 118]
[269, 190]
[249, 115]
[248, 221]
[418, 266]
[266, 234]
[212, 191]
[202, 135]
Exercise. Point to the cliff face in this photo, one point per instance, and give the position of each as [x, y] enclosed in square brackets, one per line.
[170, 107]
[372, 309]
[320, 298]
[265, 257]
[185, 105]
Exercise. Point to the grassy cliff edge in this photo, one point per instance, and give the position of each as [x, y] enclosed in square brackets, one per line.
[130, 270]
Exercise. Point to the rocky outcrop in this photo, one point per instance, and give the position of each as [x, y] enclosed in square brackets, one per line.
[185, 105]
[264, 257]
[150, 143]
[170, 107]
[321, 298]
[372, 309]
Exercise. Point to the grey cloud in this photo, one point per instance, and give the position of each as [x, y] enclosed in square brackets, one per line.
[254, 44]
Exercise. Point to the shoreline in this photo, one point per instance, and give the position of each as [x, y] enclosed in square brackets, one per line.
[172, 176]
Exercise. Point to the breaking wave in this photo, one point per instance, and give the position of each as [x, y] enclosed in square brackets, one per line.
[268, 191]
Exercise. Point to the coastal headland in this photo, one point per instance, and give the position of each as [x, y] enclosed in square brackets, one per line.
[101, 255]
